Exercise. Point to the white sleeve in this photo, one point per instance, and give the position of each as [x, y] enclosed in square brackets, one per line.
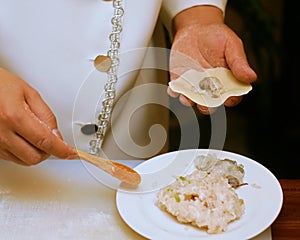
[171, 7]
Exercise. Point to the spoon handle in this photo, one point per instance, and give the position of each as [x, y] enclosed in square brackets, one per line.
[117, 170]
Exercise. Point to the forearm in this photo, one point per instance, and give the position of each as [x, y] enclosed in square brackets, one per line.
[172, 8]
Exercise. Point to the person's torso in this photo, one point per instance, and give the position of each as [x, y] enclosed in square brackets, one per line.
[52, 44]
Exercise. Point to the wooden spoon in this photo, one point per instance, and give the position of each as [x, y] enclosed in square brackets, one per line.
[117, 170]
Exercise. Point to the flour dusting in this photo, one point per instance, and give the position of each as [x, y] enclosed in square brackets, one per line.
[54, 220]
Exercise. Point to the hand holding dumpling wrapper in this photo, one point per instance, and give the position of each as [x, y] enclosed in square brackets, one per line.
[210, 87]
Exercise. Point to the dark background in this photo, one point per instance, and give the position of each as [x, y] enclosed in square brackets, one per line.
[265, 125]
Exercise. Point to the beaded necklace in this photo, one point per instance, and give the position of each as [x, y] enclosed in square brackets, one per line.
[108, 64]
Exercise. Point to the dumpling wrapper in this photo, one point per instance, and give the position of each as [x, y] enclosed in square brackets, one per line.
[188, 85]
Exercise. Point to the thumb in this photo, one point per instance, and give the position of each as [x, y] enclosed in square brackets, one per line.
[237, 62]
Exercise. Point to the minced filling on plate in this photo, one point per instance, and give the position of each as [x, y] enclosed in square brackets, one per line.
[206, 198]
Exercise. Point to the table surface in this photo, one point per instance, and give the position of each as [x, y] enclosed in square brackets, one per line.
[287, 224]
[62, 200]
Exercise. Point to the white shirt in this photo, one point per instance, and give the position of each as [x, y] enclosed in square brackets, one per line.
[51, 45]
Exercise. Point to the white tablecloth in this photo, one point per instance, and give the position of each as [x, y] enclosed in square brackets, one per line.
[60, 200]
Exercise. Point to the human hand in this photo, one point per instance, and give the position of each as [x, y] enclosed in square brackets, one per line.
[201, 41]
[28, 127]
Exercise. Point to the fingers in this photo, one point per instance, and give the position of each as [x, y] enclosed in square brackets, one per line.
[189, 103]
[233, 101]
[28, 127]
[171, 93]
[183, 100]
[16, 149]
[28, 140]
[186, 101]
[206, 110]
[19, 151]
[47, 137]
[10, 157]
[44, 138]
[40, 109]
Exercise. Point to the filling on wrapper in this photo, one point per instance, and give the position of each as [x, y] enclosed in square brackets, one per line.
[210, 87]
[206, 198]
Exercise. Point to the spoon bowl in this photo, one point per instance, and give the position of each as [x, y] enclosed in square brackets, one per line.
[117, 170]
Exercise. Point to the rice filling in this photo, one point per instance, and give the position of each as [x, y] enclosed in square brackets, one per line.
[204, 198]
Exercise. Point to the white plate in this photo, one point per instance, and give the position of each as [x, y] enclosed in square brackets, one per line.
[263, 201]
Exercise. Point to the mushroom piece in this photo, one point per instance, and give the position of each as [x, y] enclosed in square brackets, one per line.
[212, 85]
